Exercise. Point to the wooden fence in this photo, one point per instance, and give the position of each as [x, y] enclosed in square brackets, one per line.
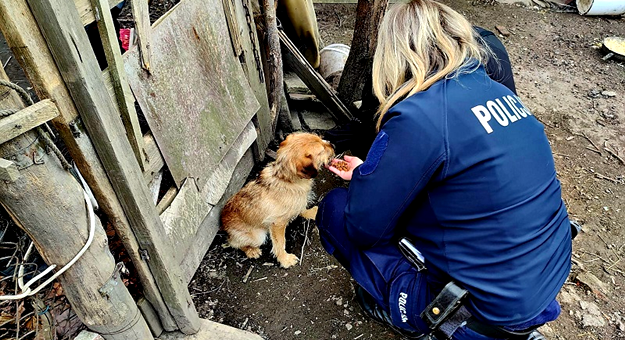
[197, 76]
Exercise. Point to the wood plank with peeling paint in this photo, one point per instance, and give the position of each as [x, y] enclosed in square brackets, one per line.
[196, 115]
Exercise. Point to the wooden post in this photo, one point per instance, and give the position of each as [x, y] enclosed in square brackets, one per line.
[274, 60]
[60, 24]
[29, 47]
[47, 198]
[141, 14]
[240, 17]
[359, 63]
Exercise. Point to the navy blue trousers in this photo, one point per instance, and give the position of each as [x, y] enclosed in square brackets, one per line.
[383, 272]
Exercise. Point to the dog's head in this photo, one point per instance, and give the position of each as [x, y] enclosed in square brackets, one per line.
[304, 154]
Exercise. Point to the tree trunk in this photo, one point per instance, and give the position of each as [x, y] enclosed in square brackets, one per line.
[357, 69]
[274, 60]
[48, 203]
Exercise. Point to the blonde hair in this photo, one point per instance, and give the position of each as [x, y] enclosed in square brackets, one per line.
[420, 43]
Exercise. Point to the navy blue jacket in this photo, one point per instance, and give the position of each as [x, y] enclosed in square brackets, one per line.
[466, 171]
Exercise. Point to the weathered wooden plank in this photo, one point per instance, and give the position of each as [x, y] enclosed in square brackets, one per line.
[47, 197]
[165, 202]
[85, 10]
[155, 186]
[210, 330]
[296, 61]
[196, 98]
[29, 47]
[150, 316]
[27, 119]
[253, 68]
[185, 214]
[123, 95]
[154, 158]
[8, 171]
[233, 27]
[68, 42]
[218, 181]
[143, 30]
[209, 227]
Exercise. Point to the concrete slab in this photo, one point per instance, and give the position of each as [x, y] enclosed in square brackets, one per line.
[210, 330]
[294, 84]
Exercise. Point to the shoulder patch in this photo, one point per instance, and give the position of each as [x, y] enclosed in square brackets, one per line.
[375, 154]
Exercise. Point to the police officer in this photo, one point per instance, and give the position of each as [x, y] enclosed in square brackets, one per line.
[462, 168]
[357, 135]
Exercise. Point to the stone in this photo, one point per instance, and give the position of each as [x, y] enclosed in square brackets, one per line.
[349, 326]
[318, 120]
[294, 84]
[592, 321]
[591, 315]
[85, 335]
[569, 298]
[608, 94]
[503, 30]
[547, 331]
[210, 330]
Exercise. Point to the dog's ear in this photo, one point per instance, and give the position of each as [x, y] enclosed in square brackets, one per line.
[306, 169]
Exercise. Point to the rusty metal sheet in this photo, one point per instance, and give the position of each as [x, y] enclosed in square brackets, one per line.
[196, 98]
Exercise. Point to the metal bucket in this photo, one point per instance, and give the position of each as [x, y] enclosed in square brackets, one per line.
[333, 58]
[601, 7]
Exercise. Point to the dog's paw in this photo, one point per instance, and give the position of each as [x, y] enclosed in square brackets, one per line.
[288, 260]
[253, 253]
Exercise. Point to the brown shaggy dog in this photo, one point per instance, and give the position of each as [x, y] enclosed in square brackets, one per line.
[276, 197]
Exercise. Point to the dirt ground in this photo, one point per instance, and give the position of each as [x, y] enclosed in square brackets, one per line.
[580, 99]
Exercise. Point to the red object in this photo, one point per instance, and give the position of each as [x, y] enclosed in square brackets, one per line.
[124, 36]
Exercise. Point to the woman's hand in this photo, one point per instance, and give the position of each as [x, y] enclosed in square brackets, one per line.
[352, 163]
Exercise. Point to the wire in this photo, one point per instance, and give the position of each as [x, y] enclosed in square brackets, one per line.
[28, 291]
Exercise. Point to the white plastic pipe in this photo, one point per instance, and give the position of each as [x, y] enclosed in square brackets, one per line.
[601, 7]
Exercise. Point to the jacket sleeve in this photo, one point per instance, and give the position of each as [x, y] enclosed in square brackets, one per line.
[405, 155]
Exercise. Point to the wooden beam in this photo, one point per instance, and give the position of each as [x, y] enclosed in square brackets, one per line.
[165, 202]
[253, 67]
[125, 99]
[29, 48]
[233, 27]
[210, 226]
[185, 214]
[27, 119]
[315, 82]
[8, 171]
[86, 12]
[155, 160]
[68, 42]
[143, 29]
[47, 197]
[217, 182]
